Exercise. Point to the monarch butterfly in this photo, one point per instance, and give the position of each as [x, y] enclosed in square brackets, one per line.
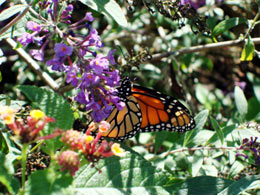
[145, 111]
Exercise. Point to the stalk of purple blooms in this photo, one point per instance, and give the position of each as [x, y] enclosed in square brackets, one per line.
[252, 146]
[92, 73]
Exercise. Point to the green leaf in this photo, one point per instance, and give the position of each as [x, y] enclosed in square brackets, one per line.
[197, 162]
[129, 175]
[159, 138]
[3, 144]
[248, 50]
[47, 182]
[256, 84]
[226, 25]
[238, 186]
[16, 30]
[6, 174]
[253, 109]
[108, 8]
[236, 168]
[258, 3]
[203, 185]
[2, 1]
[226, 130]
[51, 104]
[11, 11]
[217, 129]
[200, 119]
[240, 101]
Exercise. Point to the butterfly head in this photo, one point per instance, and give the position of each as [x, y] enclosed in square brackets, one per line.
[125, 89]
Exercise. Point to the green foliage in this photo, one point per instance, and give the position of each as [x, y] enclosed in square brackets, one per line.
[6, 174]
[248, 50]
[51, 104]
[131, 174]
[48, 182]
[7, 13]
[108, 8]
[226, 25]
[222, 93]
[240, 101]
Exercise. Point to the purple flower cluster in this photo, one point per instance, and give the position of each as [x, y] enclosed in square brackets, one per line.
[194, 3]
[79, 56]
[252, 146]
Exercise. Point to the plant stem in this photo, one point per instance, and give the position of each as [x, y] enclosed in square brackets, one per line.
[24, 159]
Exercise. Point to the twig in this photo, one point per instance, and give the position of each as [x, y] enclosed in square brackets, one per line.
[33, 65]
[251, 27]
[199, 148]
[202, 48]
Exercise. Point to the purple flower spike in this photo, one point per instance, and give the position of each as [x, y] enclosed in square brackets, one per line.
[26, 38]
[37, 54]
[56, 63]
[33, 26]
[194, 3]
[110, 57]
[82, 97]
[89, 17]
[61, 49]
[69, 8]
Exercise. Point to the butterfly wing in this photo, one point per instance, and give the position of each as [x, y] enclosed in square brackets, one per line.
[146, 110]
[161, 112]
[125, 123]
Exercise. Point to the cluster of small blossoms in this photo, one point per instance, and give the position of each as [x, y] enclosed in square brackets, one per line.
[194, 3]
[91, 147]
[92, 73]
[252, 146]
[29, 131]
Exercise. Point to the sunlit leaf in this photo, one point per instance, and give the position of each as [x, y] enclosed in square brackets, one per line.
[248, 50]
[109, 8]
[226, 25]
[240, 101]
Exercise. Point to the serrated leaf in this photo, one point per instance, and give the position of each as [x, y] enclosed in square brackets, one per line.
[11, 11]
[248, 50]
[6, 174]
[130, 174]
[217, 128]
[51, 104]
[238, 186]
[47, 182]
[240, 101]
[200, 119]
[203, 185]
[226, 25]
[108, 8]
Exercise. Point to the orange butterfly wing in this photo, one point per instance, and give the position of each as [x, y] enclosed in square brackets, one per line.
[146, 110]
[162, 112]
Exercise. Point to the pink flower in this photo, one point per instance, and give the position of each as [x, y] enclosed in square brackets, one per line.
[69, 160]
